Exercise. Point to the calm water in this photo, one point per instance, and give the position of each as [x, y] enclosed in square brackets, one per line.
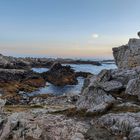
[51, 89]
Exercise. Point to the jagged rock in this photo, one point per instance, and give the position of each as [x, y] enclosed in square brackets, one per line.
[128, 56]
[97, 94]
[98, 133]
[124, 76]
[135, 134]
[133, 87]
[121, 124]
[104, 75]
[111, 86]
[40, 126]
[60, 75]
[94, 99]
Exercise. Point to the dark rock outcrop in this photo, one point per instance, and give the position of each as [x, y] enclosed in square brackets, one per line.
[60, 75]
[7, 75]
[83, 74]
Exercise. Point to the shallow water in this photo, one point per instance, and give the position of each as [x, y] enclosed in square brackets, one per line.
[91, 68]
[58, 90]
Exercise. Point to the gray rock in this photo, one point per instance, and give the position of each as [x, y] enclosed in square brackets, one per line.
[111, 86]
[135, 134]
[13, 63]
[94, 100]
[128, 56]
[40, 126]
[98, 133]
[2, 104]
[121, 123]
[68, 99]
[124, 76]
[104, 75]
[133, 87]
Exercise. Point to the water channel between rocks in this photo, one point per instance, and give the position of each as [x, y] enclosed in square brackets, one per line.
[58, 90]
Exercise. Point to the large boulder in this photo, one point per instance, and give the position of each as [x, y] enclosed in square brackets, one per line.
[133, 87]
[60, 75]
[128, 56]
[125, 124]
[94, 98]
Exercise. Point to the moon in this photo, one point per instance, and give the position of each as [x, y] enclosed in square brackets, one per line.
[95, 36]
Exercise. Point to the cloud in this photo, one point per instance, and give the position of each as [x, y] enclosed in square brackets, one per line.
[95, 35]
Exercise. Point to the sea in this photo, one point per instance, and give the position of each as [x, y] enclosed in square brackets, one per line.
[70, 89]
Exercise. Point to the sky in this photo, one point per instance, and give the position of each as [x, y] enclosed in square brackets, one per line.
[67, 28]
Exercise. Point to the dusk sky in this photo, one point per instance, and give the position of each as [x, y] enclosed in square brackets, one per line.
[67, 28]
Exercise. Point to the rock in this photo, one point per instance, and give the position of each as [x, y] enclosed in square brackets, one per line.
[111, 86]
[133, 87]
[104, 75]
[13, 74]
[35, 81]
[83, 74]
[135, 134]
[94, 99]
[55, 100]
[101, 91]
[13, 63]
[2, 104]
[138, 34]
[124, 76]
[60, 75]
[121, 123]
[98, 133]
[128, 56]
[96, 95]
[40, 126]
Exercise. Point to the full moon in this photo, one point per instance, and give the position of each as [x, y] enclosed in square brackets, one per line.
[95, 35]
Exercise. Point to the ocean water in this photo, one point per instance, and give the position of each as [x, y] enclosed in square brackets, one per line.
[58, 90]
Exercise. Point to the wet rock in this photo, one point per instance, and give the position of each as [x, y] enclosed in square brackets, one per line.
[60, 75]
[83, 74]
[128, 56]
[35, 81]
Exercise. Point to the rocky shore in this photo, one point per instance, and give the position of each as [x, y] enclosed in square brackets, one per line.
[108, 107]
[27, 62]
